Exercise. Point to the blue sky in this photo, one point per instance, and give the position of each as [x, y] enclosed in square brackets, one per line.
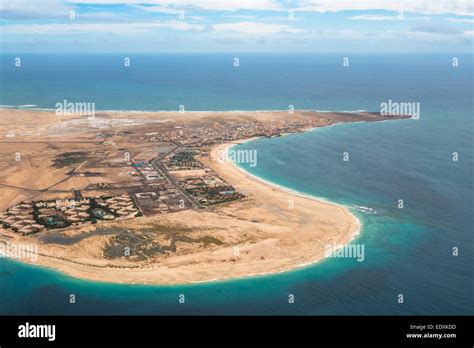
[237, 26]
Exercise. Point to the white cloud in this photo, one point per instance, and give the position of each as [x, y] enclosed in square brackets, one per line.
[112, 28]
[20, 9]
[167, 10]
[159, 9]
[344, 34]
[435, 28]
[241, 16]
[256, 28]
[460, 20]
[217, 5]
[375, 18]
[469, 33]
[385, 18]
[61, 7]
[459, 7]
[425, 37]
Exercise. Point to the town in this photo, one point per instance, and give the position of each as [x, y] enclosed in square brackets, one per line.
[141, 171]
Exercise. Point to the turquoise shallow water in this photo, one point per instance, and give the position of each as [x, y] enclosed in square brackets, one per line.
[407, 250]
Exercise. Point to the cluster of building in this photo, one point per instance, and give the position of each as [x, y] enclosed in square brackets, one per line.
[201, 183]
[208, 189]
[148, 172]
[20, 219]
[61, 212]
[205, 135]
[167, 177]
[121, 206]
[164, 198]
[182, 160]
[33, 217]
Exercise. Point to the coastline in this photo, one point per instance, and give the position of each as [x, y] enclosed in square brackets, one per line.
[283, 188]
[272, 236]
[402, 248]
[352, 236]
[33, 107]
[167, 276]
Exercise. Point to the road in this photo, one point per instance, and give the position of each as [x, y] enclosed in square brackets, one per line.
[172, 181]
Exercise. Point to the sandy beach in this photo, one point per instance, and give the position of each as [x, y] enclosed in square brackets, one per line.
[287, 236]
[270, 230]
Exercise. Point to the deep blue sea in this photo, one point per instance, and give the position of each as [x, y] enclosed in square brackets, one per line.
[407, 251]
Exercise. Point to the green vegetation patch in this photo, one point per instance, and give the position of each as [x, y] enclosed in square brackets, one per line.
[54, 221]
[136, 246]
[97, 211]
[69, 158]
[141, 244]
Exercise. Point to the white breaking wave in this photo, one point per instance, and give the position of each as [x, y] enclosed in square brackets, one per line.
[366, 210]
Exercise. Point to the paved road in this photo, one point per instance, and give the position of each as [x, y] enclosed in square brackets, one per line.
[161, 169]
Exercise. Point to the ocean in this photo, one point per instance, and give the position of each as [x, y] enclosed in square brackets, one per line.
[408, 251]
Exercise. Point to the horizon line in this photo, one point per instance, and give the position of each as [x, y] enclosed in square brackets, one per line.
[246, 52]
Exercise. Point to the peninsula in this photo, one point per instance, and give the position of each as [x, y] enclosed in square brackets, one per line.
[151, 198]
